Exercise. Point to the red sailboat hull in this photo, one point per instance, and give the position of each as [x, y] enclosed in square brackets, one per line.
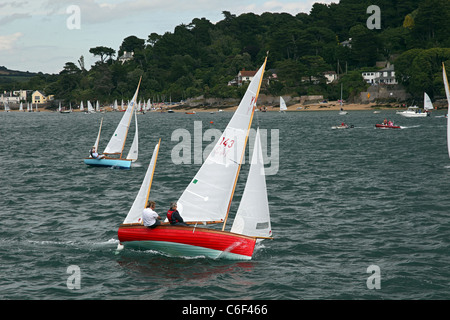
[188, 241]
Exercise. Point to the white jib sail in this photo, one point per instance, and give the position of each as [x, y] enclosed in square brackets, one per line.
[133, 153]
[117, 141]
[98, 136]
[447, 92]
[135, 213]
[208, 195]
[253, 217]
[283, 106]
[427, 104]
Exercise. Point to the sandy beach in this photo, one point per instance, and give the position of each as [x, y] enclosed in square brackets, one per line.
[330, 106]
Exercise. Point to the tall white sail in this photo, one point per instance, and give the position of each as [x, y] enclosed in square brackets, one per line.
[283, 106]
[21, 107]
[81, 106]
[208, 195]
[117, 141]
[253, 217]
[135, 213]
[133, 153]
[447, 93]
[427, 104]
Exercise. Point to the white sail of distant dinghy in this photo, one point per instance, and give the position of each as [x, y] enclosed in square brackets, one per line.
[97, 106]
[253, 216]
[81, 106]
[133, 153]
[283, 106]
[90, 108]
[21, 107]
[427, 104]
[447, 93]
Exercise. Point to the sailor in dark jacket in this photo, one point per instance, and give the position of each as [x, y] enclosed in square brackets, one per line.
[174, 216]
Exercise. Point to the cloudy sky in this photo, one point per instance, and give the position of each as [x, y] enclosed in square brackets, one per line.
[42, 35]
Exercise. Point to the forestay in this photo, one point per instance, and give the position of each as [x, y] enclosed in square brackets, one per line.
[208, 195]
[253, 217]
[135, 213]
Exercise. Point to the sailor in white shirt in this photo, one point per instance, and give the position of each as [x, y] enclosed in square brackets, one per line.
[150, 217]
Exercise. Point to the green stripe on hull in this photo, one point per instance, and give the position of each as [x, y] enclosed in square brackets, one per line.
[183, 250]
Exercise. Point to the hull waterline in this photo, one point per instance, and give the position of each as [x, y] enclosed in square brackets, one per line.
[116, 163]
[188, 241]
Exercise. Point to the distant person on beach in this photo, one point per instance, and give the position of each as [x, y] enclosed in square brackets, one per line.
[149, 217]
[174, 216]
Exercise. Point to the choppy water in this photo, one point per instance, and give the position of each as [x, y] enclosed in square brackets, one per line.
[342, 200]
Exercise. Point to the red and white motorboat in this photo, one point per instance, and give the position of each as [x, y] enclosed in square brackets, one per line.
[387, 126]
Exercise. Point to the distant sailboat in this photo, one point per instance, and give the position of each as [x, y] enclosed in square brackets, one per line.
[207, 199]
[117, 142]
[283, 106]
[90, 108]
[427, 104]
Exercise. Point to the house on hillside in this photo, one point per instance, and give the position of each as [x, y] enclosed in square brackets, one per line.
[14, 96]
[127, 56]
[39, 97]
[383, 76]
[243, 75]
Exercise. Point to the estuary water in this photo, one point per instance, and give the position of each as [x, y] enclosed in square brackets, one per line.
[361, 213]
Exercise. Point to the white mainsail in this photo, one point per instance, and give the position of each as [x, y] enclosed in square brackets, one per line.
[117, 141]
[253, 217]
[208, 195]
[135, 213]
[447, 93]
[283, 106]
[81, 106]
[427, 104]
[133, 153]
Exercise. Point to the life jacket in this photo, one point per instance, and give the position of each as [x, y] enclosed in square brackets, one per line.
[170, 218]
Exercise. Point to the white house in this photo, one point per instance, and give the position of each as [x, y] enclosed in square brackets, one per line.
[383, 76]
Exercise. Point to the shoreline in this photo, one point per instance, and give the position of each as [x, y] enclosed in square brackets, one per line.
[329, 106]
